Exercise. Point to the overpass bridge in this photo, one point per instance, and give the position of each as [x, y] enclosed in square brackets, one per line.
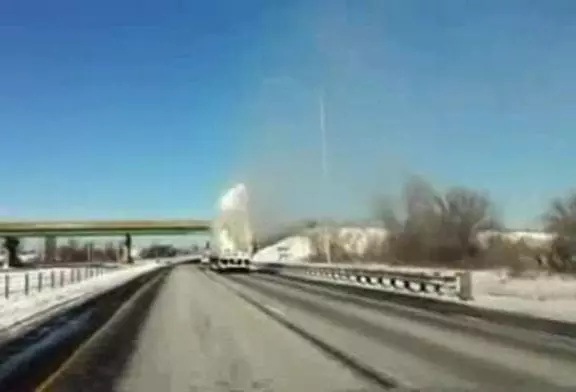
[102, 228]
[11, 231]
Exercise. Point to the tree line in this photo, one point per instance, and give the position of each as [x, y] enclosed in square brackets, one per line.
[458, 227]
[75, 251]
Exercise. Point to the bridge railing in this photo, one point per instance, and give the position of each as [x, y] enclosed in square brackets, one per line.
[440, 284]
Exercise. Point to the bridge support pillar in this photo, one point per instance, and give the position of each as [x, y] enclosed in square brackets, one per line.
[11, 244]
[128, 249]
[50, 248]
[90, 252]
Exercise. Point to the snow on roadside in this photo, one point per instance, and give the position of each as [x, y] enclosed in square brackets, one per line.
[41, 280]
[13, 283]
[557, 309]
[22, 314]
[540, 295]
[539, 287]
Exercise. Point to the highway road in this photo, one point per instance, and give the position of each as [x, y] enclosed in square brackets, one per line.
[415, 348]
[198, 335]
[206, 332]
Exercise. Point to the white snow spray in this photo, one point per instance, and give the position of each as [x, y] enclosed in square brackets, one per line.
[232, 230]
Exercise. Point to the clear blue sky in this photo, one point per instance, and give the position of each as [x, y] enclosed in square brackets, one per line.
[128, 109]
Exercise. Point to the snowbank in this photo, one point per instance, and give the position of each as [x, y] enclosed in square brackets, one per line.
[13, 283]
[23, 313]
[297, 248]
[358, 240]
[540, 287]
[354, 240]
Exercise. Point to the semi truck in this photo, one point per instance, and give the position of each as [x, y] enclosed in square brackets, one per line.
[231, 262]
[226, 261]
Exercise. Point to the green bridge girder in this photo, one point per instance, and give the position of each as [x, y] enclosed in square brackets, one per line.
[102, 228]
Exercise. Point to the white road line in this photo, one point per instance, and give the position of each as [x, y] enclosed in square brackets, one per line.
[275, 310]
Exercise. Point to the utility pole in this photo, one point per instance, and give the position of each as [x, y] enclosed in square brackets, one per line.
[327, 247]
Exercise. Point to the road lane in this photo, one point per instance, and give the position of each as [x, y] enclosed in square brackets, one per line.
[418, 354]
[200, 336]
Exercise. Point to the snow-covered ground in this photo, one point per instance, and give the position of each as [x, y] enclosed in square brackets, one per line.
[354, 241]
[291, 249]
[19, 283]
[543, 295]
[531, 238]
[21, 313]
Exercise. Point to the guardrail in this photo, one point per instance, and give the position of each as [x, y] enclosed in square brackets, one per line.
[451, 284]
[26, 283]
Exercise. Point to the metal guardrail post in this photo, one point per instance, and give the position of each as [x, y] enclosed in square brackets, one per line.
[459, 285]
[62, 277]
[40, 276]
[52, 279]
[465, 292]
[26, 283]
[6, 286]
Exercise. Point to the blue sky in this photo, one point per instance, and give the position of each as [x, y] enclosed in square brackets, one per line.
[143, 109]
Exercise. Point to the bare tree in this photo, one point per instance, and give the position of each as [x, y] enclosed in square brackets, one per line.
[437, 227]
[12, 245]
[561, 216]
[113, 251]
[159, 250]
[560, 219]
[73, 251]
[463, 214]
[338, 250]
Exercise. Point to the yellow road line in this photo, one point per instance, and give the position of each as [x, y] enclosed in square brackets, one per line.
[46, 384]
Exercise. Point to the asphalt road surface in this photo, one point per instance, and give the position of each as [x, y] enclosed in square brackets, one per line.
[418, 349]
[200, 331]
[198, 335]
